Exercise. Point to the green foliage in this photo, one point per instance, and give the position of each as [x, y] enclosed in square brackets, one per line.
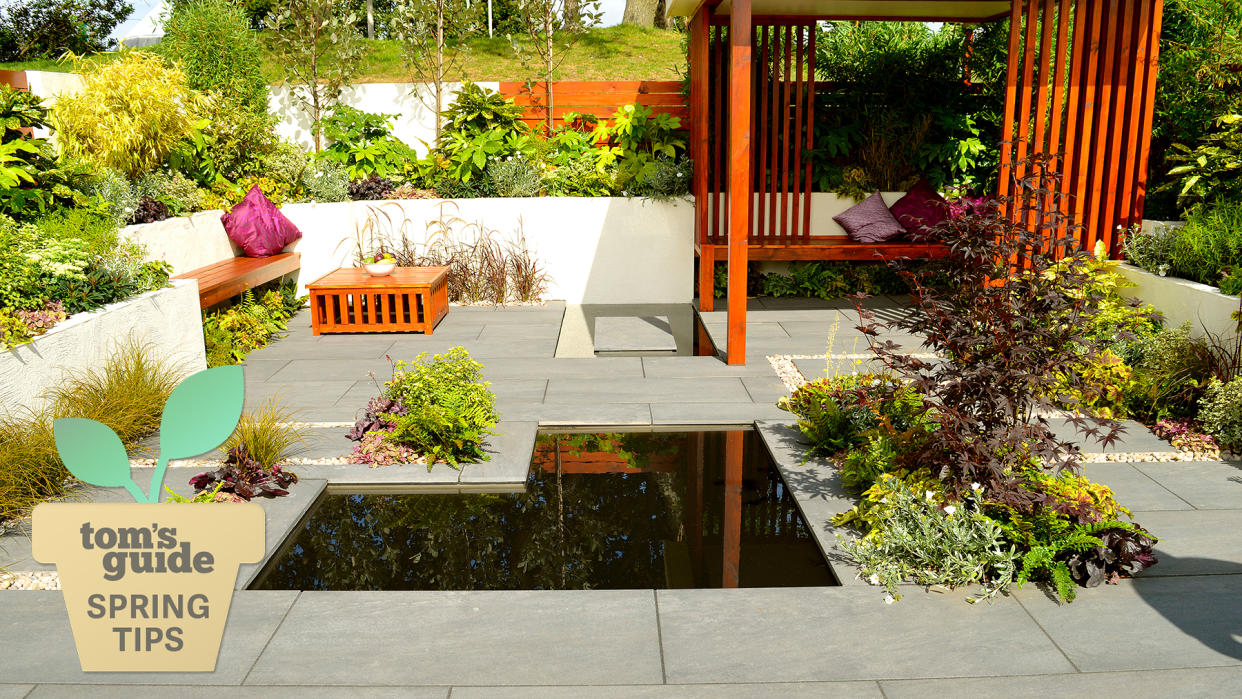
[641, 140]
[231, 334]
[450, 409]
[900, 108]
[32, 182]
[212, 42]
[832, 280]
[129, 114]
[1221, 412]
[269, 433]
[1209, 246]
[841, 412]
[476, 110]
[916, 537]
[320, 50]
[1212, 169]
[364, 144]
[49, 28]
[126, 395]
[516, 176]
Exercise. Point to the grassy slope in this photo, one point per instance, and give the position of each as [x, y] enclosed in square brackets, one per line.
[623, 52]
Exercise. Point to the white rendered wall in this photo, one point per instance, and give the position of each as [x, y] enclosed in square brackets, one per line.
[595, 249]
[1183, 301]
[166, 320]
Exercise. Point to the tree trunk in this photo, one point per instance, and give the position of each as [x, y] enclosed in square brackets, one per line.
[640, 12]
[370, 19]
[439, 82]
[661, 15]
[572, 18]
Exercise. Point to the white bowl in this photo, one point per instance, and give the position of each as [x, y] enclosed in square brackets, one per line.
[379, 269]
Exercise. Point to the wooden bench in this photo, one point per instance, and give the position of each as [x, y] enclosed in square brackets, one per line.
[223, 280]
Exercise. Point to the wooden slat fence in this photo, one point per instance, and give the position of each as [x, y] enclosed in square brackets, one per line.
[598, 97]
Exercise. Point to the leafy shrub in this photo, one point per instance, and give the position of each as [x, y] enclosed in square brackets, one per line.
[1221, 412]
[1212, 170]
[149, 211]
[667, 179]
[831, 280]
[917, 538]
[232, 334]
[32, 181]
[179, 194]
[213, 44]
[245, 477]
[1152, 251]
[363, 143]
[229, 142]
[49, 28]
[836, 413]
[268, 434]
[515, 176]
[372, 188]
[327, 182]
[1209, 247]
[128, 114]
[1187, 435]
[449, 409]
[1097, 385]
[477, 110]
[645, 147]
[224, 195]
[1171, 370]
[578, 177]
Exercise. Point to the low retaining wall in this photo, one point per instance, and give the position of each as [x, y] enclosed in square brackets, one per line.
[167, 320]
[594, 249]
[1183, 301]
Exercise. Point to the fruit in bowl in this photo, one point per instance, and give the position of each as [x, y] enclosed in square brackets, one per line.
[379, 265]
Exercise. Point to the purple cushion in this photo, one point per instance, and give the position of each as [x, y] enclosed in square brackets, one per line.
[920, 210]
[869, 221]
[258, 227]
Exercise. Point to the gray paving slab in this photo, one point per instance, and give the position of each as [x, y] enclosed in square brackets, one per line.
[1207, 485]
[604, 415]
[386, 475]
[281, 517]
[369, 346]
[1146, 684]
[765, 390]
[504, 332]
[51, 691]
[703, 367]
[520, 390]
[298, 370]
[496, 368]
[1157, 623]
[642, 390]
[510, 316]
[755, 330]
[325, 443]
[510, 451]
[298, 394]
[815, 484]
[1133, 488]
[1136, 438]
[262, 369]
[253, 617]
[633, 334]
[785, 634]
[1195, 542]
[540, 637]
[712, 413]
[861, 690]
[15, 691]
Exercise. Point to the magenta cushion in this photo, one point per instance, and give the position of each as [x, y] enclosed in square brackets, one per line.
[258, 227]
[869, 221]
[921, 209]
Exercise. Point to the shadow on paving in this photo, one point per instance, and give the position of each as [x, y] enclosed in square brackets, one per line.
[1211, 616]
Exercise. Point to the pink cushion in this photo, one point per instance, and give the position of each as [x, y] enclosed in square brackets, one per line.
[920, 210]
[869, 221]
[258, 227]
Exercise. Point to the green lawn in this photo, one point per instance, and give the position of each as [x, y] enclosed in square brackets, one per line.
[623, 52]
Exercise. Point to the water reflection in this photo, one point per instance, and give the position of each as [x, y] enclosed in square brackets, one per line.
[600, 511]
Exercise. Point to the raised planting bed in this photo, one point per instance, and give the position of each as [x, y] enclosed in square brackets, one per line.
[166, 320]
[1183, 301]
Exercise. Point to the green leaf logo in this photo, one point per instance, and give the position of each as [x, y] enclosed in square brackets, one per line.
[94, 454]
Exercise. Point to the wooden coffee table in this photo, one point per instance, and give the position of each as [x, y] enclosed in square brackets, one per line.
[411, 299]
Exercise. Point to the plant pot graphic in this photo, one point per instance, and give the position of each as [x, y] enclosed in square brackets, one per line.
[148, 586]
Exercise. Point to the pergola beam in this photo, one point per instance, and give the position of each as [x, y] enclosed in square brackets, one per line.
[739, 176]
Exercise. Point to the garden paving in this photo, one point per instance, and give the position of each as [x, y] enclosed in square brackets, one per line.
[643, 643]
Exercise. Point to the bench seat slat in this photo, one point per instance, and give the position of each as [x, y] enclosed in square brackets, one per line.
[228, 278]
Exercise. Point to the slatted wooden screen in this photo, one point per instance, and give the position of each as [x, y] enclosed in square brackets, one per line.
[1081, 92]
[600, 98]
[783, 109]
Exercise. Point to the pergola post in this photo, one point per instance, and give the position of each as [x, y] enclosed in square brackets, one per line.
[699, 95]
[739, 175]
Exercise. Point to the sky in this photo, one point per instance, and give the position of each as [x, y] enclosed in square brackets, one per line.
[613, 10]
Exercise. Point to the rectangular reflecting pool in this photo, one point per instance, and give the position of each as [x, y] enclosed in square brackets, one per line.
[619, 510]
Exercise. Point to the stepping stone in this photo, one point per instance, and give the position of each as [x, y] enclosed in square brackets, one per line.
[634, 334]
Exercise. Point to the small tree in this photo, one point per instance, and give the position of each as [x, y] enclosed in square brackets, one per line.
[545, 22]
[430, 33]
[320, 50]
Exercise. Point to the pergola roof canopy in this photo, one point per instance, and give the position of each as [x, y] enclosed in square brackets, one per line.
[927, 10]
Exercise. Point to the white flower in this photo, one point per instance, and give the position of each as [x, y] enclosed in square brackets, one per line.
[975, 487]
[888, 598]
[930, 495]
[874, 579]
[949, 509]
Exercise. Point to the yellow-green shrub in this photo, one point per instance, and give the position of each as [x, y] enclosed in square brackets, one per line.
[129, 113]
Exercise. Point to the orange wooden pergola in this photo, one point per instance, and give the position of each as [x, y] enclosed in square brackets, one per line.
[1080, 88]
